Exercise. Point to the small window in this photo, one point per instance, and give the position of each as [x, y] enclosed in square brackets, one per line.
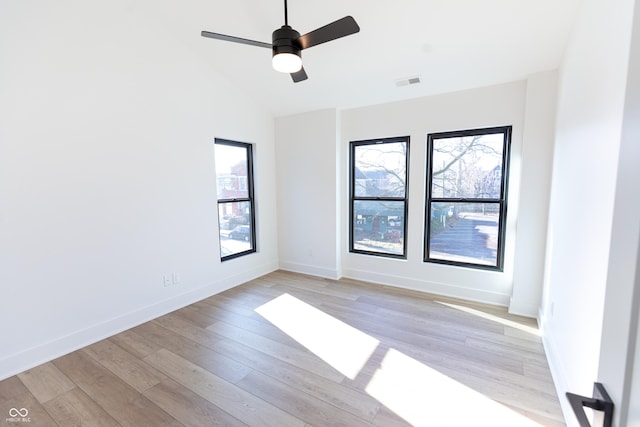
[379, 197]
[466, 203]
[236, 212]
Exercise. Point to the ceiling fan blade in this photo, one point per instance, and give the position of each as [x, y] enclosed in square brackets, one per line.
[235, 39]
[299, 76]
[340, 28]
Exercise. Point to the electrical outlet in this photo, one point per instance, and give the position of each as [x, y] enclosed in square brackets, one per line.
[166, 280]
[175, 278]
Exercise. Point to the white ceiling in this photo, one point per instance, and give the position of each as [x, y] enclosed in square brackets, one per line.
[451, 44]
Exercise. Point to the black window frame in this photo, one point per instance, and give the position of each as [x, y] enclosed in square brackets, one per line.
[502, 200]
[353, 198]
[249, 199]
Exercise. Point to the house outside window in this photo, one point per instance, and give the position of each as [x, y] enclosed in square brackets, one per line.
[466, 202]
[236, 212]
[378, 197]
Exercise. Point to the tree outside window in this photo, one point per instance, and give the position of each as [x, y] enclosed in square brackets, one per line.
[378, 201]
[466, 197]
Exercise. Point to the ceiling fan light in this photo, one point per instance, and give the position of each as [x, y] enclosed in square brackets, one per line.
[287, 62]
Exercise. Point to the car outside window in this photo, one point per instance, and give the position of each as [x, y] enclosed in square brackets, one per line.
[236, 213]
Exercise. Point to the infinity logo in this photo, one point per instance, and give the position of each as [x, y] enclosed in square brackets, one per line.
[23, 412]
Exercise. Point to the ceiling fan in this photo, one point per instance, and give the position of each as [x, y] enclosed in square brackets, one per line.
[287, 44]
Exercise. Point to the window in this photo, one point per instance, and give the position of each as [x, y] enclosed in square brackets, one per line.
[236, 212]
[466, 197]
[378, 194]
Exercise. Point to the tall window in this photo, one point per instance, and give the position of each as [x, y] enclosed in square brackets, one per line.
[379, 197]
[466, 197]
[236, 213]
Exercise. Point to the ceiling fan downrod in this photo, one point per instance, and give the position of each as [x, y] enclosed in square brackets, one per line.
[286, 14]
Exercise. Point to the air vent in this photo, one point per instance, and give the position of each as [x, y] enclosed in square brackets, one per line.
[408, 81]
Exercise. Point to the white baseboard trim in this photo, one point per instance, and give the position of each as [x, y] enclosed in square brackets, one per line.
[557, 373]
[311, 270]
[443, 289]
[27, 359]
[523, 309]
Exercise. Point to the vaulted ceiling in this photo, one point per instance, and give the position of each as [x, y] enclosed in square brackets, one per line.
[450, 44]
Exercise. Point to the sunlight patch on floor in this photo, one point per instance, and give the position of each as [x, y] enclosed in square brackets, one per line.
[525, 328]
[423, 396]
[417, 393]
[343, 347]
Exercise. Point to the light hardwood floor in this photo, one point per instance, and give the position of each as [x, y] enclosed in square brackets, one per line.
[293, 350]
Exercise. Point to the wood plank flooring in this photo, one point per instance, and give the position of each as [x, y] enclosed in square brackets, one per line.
[294, 350]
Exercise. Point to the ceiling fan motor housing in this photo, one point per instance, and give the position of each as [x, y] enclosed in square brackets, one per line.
[285, 40]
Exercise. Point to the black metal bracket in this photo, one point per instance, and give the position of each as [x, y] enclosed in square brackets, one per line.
[599, 402]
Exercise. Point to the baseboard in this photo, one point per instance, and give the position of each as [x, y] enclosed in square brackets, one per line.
[311, 270]
[523, 309]
[557, 373]
[27, 359]
[443, 289]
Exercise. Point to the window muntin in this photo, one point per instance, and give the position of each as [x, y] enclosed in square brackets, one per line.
[466, 199]
[236, 212]
[378, 205]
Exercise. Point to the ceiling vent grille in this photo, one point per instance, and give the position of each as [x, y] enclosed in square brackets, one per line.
[408, 81]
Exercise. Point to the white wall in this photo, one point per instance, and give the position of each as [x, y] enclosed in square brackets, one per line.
[311, 194]
[107, 176]
[630, 374]
[588, 134]
[307, 198]
[622, 300]
[537, 163]
[483, 107]
[633, 415]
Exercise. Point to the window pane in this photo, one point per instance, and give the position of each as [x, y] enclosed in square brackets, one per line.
[380, 170]
[464, 232]
[235, 227]
[231, 171]
[467, 167]
[378, 226]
